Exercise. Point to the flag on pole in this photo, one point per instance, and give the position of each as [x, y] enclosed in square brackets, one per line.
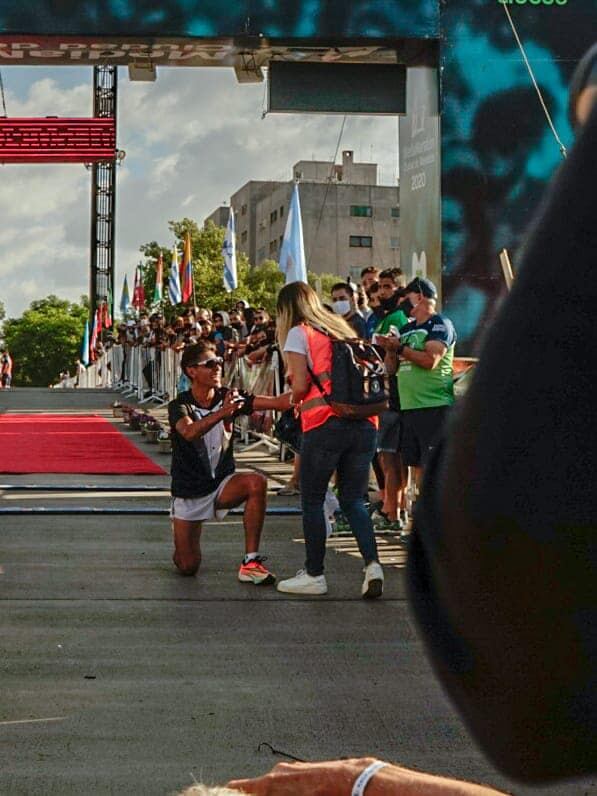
[85, 345]
[229, 253]
[186, 270]
[174, 292]
[139, 290]
[159, 278]
[292, 252]
[108, 311]
[99, 313]
[125, 299]
[93, 340]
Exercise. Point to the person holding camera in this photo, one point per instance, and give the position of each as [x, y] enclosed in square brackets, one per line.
[205, 485]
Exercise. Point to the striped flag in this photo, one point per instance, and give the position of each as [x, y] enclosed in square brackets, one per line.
[93, 340]
[139, 290]
[186, 270]
[125, 299]
[229, 253]
[292, 252]
[174, 292]
[85, 345]
[159, 278]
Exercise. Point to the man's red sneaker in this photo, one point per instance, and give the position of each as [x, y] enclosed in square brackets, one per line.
[255, 572]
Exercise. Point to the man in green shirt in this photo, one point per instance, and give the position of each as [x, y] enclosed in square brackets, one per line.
[425, 349]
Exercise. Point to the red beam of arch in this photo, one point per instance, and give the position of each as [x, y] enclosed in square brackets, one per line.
[53, 140]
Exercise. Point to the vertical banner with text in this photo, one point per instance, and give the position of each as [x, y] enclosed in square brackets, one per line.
[420, 225]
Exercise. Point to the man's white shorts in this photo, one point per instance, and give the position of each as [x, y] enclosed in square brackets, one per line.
[199, 509]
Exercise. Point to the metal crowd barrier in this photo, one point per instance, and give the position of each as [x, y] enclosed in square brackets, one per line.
[152, 376]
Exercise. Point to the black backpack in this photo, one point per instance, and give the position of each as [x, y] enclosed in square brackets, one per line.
[359, 379]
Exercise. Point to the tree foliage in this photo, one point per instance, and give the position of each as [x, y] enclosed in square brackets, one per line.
[45, 340]
[259, 285]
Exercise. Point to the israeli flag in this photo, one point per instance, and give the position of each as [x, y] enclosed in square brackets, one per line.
[229, 254]
[174, 291]
[292, 252]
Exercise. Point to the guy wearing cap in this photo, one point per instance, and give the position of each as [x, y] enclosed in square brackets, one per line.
[204, 483]
[425, 383]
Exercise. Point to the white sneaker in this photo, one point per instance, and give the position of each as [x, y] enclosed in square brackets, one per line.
[303, 583]
[373, 584]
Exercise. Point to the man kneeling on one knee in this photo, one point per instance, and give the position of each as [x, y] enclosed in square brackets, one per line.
[204, 484]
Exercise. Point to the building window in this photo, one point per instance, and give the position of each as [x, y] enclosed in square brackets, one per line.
[273, 216]
[355, 273]
[243, 210]
[281, 211]
[394, 212]
[261, 255]
[243, 237]
[361, 211]
[281, 239]
[273, 246]
[360, 241]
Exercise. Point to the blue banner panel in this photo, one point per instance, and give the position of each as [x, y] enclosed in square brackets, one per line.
[337, 19]
[498, 151]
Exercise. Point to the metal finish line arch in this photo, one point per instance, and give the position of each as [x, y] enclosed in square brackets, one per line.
[497, 151]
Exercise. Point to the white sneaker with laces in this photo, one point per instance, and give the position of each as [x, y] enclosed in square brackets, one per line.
[373, 584]
[303, 583]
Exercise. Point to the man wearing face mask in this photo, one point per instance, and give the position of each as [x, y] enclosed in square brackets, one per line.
[425, 382]
[343, 303]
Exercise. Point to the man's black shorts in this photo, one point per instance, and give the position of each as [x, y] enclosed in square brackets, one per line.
[420, 429]
[388, 434]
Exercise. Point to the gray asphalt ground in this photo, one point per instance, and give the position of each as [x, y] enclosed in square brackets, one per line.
[119, 676]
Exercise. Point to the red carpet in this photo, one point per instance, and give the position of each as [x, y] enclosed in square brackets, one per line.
[68, 444]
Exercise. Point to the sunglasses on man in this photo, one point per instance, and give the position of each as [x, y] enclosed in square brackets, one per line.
[212, 363]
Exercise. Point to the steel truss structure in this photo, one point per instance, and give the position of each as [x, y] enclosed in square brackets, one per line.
[103, 197]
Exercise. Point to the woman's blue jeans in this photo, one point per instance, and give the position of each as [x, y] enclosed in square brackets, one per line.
[347, 446]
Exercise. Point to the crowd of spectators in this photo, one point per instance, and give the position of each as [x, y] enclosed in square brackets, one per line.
[401, 319]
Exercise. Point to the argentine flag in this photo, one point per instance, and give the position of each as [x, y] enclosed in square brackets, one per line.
[174, 291]
[292, 252]
[229, 254]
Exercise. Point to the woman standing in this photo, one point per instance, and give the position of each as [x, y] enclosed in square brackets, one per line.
[330, 443]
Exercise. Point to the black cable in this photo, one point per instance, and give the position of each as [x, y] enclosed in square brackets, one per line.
[5, 114]
[279, 752]
[325, 196]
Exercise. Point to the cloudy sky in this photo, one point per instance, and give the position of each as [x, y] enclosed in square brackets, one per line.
[191, 139]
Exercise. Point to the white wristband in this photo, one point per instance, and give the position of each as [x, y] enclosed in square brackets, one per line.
[361, 782]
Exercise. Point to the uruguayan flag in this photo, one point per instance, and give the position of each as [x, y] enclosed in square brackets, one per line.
[292, 253]
[174, 291]
[229, 253]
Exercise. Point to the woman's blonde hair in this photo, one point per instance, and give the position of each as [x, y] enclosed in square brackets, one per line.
[299, 303]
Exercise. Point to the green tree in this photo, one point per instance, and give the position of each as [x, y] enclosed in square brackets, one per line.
[45, 340]
[259, 285]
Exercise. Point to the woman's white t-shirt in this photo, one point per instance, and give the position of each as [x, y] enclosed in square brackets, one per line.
[297, 343]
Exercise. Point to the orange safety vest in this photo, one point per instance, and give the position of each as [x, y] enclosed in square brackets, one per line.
[315, 410]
